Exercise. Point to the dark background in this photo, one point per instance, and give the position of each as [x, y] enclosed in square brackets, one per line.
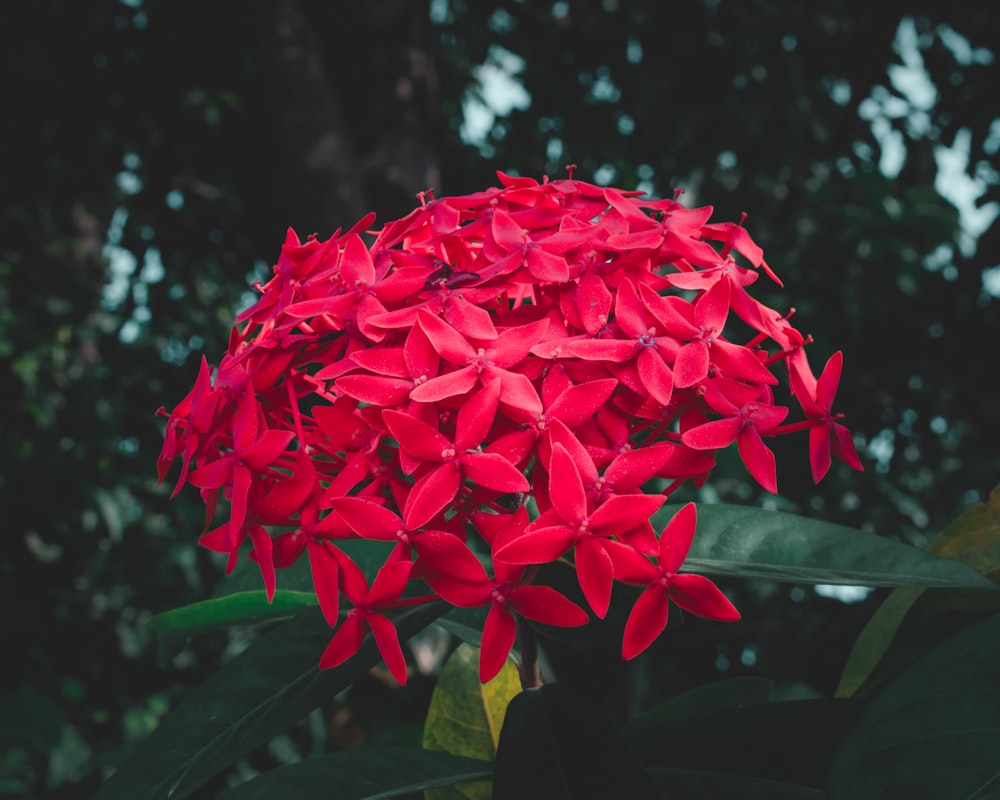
[153, 153]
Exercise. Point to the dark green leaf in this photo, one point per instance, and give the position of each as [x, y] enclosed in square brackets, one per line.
[465, 623]
[791, 741]
[933, 731]
[554, 745]
[366, 773]
[754, 543]
[718, 696]
[270, 686]
[240, 608]
[693, 784]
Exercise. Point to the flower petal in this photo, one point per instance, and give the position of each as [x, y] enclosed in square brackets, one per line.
[697, 594]
[646, 622]
[826, 385]
[566, 487]
[494, 471]
[262, 551]
[676, 539]
[388, 645]
[416, 437]
[596, 574]
[431, 494]
[499, 633]
[576, 404]
[655, 375]
[759, 460]
[367, 519]
[449, 343]
[623, 512]
[476, 416]
[819, 450]
[540, 546]
[713, 435]
[390, 582]
[692, 362]
[544, 604]
[445, 553]
[843, 447]
[345, 643]
[450, 384]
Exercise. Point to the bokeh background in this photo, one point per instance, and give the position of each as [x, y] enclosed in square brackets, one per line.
[152, 154]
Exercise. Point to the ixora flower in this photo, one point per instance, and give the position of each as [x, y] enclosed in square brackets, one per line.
[556, 346]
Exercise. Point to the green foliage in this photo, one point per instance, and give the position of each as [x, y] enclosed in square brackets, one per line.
[718, 696]
[931, 732]
[270, 686]
[753, 543]
[368, 773]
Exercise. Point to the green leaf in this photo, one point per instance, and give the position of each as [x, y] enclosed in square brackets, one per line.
[974, 537]
[718, 696]
[791, 741]
[365, 773]
[886, 643]
[754, 543]
[554, 746]
[933, 731]
[694, 784]
[908, 624]
[465, 716]
[274, 683]
[874, 639]
[465, 623]
[240, 608]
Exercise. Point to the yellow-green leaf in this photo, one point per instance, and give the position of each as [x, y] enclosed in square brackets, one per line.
[465, 716]
[974, 539]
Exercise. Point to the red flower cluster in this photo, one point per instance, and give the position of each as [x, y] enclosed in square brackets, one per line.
[557, 341]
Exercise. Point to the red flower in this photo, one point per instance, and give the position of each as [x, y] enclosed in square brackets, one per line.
[483, 362]
[386, 589]
[570, 524]
[253, 449]
[826, 435]
[743, 424]
[507, 593]
[693, 593]
[370, 520]
[454, 459]
[550, 345]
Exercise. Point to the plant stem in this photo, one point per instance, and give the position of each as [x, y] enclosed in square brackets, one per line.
[528, 667]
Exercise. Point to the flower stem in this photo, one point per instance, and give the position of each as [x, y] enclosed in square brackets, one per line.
[528, 668]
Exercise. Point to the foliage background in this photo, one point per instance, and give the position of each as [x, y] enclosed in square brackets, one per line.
[154, 152]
